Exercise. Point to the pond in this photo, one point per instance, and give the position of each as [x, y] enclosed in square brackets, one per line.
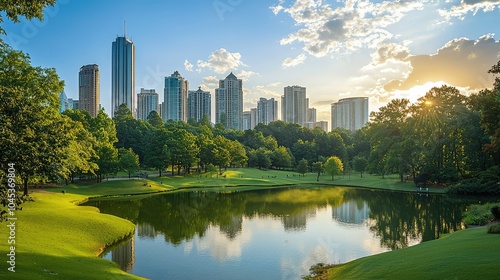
[271, 233]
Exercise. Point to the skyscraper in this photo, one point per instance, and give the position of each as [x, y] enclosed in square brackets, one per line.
[229, 102]
[89, 89]
[199, 104]
[294, 105]
[175, 97]
[122, 74]
[63, 101]
[267, 110]
[147, 101]
[350, 113]
[249, 119]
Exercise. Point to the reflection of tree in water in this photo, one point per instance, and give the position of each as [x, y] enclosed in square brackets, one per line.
[397, 218]
[401, 218]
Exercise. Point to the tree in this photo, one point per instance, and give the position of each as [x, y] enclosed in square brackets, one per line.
[104, 130]
[333, 166]
[129, 161]
[302, 166]
[280, 158]
[155, 120]
[317, 167]
[33, 133]
[263, 158]
[28, 9]
[360, 164]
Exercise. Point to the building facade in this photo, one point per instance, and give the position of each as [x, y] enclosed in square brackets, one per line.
[122, 74]
[199, 104]
[350, 113]
[89, 90]
[147, 101]
[249, 119]
[175, 98]
[229, 102]
[63, 102]
[294, 105]
[267, 110]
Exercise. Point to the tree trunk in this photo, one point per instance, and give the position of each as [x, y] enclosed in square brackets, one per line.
[25, 183]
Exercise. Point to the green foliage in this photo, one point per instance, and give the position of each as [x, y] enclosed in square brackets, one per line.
[317, 167]
[129, 161]
[494, 228]
[155, 120]
[479, 214]
[333, 166]
[29, 9]
[302, 166]
[360, 164]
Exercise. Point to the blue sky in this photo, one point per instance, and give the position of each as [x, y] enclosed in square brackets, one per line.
[336, 49]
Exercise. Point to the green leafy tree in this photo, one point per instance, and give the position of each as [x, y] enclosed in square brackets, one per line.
[157, 153]
[280, 158]
[360, 164]
[302, 166]
[155, 120]
[129, 161]
[263, 158]
[333, 166]
[104, 130]
[29, 9]
[33, 135]
[317, 168]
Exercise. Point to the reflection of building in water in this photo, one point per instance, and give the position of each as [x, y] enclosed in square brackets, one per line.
[124, 255]
[231, 230]
[352, 212]
[146, 230]
[298, 221]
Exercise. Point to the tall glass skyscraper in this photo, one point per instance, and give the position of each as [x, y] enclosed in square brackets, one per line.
[199, 104]
[147, 101]
[122, 74]
[89, 89]
[229, 102]
[267, 110]
[294, 105]
[175, 98]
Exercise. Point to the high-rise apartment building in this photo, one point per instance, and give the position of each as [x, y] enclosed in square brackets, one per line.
[294, 105]
[147, 101]
[72, 104]
[249, 119]
[267, 110]
[122, 74]
[229, 102]
[199, 104]
[175, 98]
[89, 89]
[63, 102]
[350, 113]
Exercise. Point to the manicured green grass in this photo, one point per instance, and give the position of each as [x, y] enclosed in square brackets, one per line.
[465, 254]
[56, 239]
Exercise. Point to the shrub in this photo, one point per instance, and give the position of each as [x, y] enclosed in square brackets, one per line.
[479, 214]
[494, 228]
[495, 210]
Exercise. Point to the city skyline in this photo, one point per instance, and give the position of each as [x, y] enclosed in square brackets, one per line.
[376, 49]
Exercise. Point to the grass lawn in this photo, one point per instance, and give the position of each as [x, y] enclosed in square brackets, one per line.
[57, 239]
[465, 254]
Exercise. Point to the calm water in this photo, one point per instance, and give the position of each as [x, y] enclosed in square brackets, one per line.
[271, 234]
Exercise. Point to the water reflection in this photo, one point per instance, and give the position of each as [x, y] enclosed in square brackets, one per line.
[286, 230]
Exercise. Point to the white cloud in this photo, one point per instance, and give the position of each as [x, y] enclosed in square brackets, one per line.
[210, 82]
[188, 66]
[245, 75]
[221, 61]
[466, 6]
[350, 26]
[292, 62]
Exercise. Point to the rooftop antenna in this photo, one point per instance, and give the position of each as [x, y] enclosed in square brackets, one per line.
[124, 28]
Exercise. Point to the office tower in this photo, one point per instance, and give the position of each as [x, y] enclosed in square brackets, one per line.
[249, 119]
[175, 98]
[72, 104]
[89, 89]
[229, 102]
[294, 105]
[147, 101]
[63, 101]
[311, 115]
[122, 74]
[267, 110]
[199, 104]
[323, 125]
[350, 113]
